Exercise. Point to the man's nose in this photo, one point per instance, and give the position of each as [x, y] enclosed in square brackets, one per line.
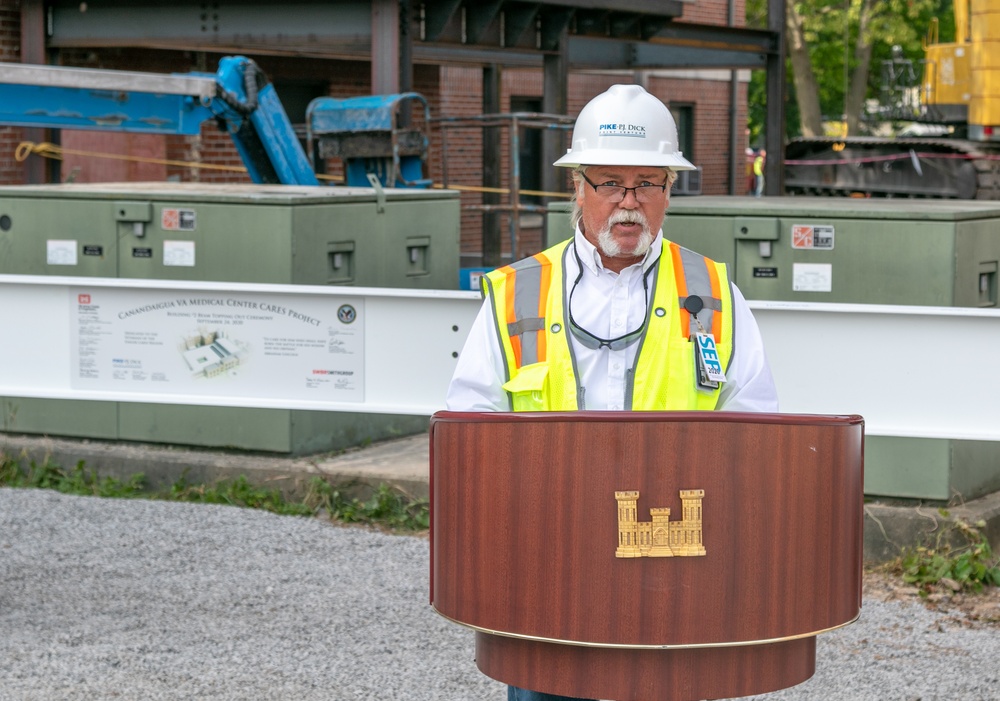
[628, 203]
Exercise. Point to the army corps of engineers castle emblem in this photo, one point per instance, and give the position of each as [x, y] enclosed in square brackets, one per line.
[660, 537]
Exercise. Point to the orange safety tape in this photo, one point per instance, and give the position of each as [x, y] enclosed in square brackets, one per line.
[50, 150]
[502, 190]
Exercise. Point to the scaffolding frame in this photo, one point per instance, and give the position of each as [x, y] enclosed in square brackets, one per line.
[512, 121]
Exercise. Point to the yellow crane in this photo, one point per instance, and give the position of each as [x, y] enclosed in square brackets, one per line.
[954, 149]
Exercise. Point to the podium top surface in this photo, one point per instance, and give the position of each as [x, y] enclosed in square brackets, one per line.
[648, 416]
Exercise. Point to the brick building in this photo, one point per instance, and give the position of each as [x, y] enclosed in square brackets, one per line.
[707, 97]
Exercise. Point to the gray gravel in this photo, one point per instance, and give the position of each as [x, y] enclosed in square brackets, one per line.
[121, 599]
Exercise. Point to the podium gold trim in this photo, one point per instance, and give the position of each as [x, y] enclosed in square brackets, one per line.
[665, 646]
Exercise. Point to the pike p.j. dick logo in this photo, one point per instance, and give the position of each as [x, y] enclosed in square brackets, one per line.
[635, 131]
[660, 537]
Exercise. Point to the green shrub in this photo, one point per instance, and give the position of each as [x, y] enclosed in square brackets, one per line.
[387, 508]
[968, 566]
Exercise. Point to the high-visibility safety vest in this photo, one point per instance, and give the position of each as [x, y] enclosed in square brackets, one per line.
[533, 328]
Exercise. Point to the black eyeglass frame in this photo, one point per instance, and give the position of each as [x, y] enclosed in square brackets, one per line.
[594, 342]
[624, 190]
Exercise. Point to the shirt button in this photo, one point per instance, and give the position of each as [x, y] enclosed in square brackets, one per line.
[617, 366]
[618, 322]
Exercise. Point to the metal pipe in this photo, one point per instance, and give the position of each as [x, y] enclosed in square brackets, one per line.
[514, 222]
[735, 151]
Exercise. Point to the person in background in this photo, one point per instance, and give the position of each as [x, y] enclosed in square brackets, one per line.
[758, 172]
[616, 317]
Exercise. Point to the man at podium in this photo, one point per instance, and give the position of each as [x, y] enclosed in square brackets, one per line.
[616, 317]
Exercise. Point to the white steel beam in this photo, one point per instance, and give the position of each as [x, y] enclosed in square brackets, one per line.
[910, 371]
[124, 342]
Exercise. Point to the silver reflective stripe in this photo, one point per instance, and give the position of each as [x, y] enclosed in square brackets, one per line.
[733, 329]
[581, 392]
[630, 375]
[525, 325]
[708, 302]
[699, 284]
[488, 293]
[527, 290]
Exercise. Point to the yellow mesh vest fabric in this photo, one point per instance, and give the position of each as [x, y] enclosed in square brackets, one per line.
[665, 366]
[550, 383]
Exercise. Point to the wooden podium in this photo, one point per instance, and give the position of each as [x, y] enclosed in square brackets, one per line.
[641, 556]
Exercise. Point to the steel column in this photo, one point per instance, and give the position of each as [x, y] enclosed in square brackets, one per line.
[774, 131]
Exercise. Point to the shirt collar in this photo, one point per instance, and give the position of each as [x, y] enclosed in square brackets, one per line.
[592, 259]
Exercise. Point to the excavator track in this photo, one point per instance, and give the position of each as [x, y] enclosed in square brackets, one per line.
[875, 167]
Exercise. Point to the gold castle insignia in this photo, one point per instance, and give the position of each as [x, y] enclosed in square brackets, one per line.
[660, 537]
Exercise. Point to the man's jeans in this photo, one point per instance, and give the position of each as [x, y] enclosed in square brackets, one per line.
[516, 694]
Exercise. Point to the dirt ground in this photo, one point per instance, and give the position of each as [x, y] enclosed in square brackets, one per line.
[970, 609]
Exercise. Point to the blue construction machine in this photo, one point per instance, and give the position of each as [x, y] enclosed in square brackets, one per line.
[364, 132]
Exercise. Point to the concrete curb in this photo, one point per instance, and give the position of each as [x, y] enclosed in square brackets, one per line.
[889, 529]
[403, 463]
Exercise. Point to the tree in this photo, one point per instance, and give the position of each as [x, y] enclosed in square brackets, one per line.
[803, 76]
[835, 49]
[854, 101]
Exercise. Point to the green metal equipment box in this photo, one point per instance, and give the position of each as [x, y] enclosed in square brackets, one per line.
[942, 253]
[278, 234]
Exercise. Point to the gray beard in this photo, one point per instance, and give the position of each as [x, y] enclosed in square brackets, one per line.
[612, 248]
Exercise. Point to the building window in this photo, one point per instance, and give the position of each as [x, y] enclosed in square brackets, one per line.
[530, 148]
[684, 117]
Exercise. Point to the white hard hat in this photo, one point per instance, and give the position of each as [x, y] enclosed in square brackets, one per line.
[625, 126]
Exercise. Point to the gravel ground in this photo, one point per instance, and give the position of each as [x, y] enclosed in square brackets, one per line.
[130, 599]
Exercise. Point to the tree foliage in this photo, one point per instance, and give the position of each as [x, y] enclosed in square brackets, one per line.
[842, 45]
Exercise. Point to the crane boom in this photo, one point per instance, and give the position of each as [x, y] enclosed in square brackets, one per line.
[238, 97]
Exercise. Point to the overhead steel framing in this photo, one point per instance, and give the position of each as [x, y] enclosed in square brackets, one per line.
[557, 35]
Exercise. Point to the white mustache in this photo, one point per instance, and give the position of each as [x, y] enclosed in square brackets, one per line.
[613, 248]
[627, 216]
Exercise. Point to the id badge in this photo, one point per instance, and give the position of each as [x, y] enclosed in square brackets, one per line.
[708, 366]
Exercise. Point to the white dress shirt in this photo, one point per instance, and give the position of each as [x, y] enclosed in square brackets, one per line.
[609, 305]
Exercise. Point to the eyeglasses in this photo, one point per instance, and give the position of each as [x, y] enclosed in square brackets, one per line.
[589, 340]
[616, 193]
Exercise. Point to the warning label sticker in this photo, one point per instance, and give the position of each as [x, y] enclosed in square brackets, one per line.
[812, 236]
[177, 219]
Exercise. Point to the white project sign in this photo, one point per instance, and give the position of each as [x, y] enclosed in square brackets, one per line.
[239, 344]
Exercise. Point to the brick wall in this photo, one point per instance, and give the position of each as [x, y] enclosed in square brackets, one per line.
[452, 91]
[710, 101]
[713, 12]
[10, 50]
[457, 150]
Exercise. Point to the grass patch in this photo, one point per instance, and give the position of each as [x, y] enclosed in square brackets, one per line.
[78, 480]
[387, 508]
[960, 559]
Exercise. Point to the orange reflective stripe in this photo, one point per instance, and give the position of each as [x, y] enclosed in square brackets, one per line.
[682, 290]
[713, 276]
[543, 298]
[509, 289]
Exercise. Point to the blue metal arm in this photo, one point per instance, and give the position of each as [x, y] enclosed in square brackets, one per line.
[238, 96]
[258, 125]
